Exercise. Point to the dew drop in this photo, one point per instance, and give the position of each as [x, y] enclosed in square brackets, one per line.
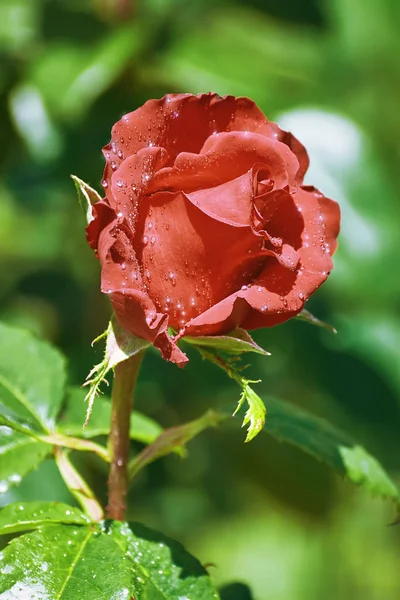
[145, 240]
[301, 295]
[120, 154]
[150, 225]
[120, 183]
[264, 308]
[113, 165]
[104, 183]
[152, 239]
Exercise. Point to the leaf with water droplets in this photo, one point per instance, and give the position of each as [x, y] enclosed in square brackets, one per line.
[306, 316]
[19, 454]
[172, 573]
[120, 345]
[32, 376]
[99, 562]
[65, 562]
[22, 516]
[237, 342]
[142, 428]
[330, 445]
[86, 197]
[173, 439]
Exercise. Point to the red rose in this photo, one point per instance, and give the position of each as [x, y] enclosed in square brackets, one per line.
[206, 225]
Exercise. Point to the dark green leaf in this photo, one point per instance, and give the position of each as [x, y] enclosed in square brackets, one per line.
[237, 342]
[22, 516]
[172, 573]
[236, 591]
[19, 454]
[32, 377]
[173, 439]
[142, 429]
[100, 562]
[319, 438]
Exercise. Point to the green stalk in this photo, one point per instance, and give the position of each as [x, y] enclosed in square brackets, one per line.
[125, 377]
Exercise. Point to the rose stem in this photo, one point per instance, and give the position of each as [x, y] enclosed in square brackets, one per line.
[125, 376]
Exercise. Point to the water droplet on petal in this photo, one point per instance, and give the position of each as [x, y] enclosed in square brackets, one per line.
[264, 308]
[104, 183]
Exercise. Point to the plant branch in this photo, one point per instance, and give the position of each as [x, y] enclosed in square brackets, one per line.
[78, 486]
[125, 376]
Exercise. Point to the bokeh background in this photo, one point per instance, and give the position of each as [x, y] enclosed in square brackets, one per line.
[329, 71]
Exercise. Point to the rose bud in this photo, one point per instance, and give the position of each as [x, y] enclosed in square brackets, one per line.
[206, 224]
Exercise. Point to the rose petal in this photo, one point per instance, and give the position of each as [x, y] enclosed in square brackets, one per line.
[183, 122]
[102, 216]
[190, 260]
[226, 156]
[278, 294]
[135, 312]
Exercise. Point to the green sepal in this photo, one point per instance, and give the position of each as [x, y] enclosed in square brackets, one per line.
[308, 317]
[238, 341]
[86, 197]
[120, 345]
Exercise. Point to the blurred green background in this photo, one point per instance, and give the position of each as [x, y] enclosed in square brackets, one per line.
[329, 71]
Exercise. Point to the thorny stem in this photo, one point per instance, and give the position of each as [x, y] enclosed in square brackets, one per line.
[125, 376]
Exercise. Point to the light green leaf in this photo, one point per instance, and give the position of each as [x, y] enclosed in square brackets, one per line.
[237, 342]
[120, 345]
[86, 197]
[365, 470]
[173, 439]
[99, 562]
[32, 376]
[22, 516]
[306, 316]
[19, 454]
[255, 415]
[322, 440]
[143, 429]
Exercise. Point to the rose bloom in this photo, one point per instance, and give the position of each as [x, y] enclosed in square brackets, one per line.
[206, 224]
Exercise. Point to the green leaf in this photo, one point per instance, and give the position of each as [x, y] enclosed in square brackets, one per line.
[120, 345]
[32, 377]
[19, 454]
[143, 429]
[86, 197]
[365, 470]
[63, 562]
[99, 562]
[306, 316]
[236, 591]
[30, 515]
[322, 440]
[237, 342]
[172, 573]
[255, 414]
[173, 439]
